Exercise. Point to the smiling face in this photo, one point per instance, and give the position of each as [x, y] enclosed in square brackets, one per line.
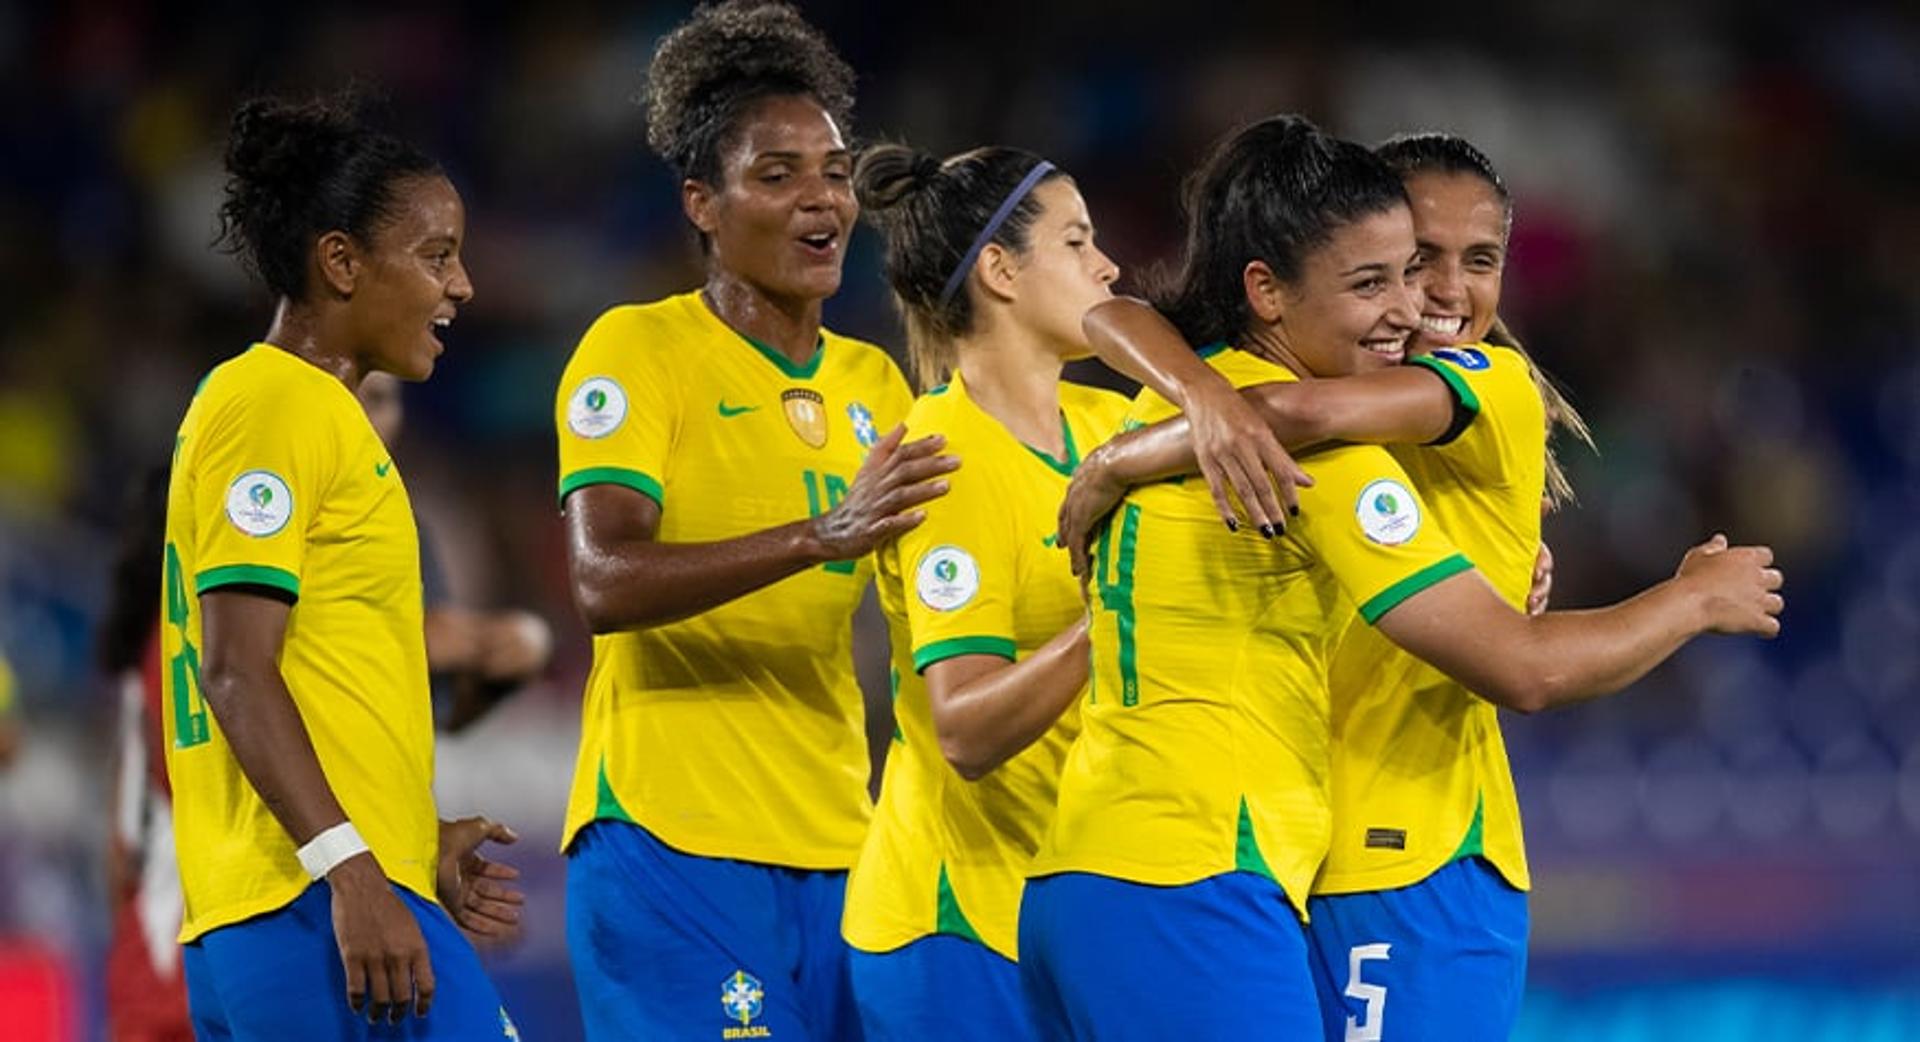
[780, 216]
[1461, 225]
[411, 281]
[1352, 307]
[1062, 273]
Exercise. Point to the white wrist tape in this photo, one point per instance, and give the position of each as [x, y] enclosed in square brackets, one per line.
[325, 851]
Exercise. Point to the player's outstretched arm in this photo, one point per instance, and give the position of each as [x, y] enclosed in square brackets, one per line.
[986, 709]
[1529, 663]
[1231, 447]
[624, 579]
[380, 943]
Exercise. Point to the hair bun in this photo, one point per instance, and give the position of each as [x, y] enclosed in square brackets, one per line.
[888, 175]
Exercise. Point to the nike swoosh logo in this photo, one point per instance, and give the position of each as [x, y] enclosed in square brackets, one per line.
[735, 410]
[382, 468]
[1052, 540]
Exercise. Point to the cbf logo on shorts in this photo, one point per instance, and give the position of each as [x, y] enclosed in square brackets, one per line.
[1388, 513]
[259, 503]
[742, 999]
[598, 408]
[1464, 357]
[947, 578]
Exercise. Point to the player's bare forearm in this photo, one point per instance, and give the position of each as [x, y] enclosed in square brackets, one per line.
[1162, 450]
[241, 679]
[1582, 655]
[1399, 405]
[986, 710]
[635, 583]
[1529, 663]
[1138, 342]
[623, 579]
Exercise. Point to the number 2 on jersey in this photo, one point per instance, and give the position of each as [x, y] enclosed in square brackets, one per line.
[189, 705]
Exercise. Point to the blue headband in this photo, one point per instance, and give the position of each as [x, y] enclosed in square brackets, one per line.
[1000, 216]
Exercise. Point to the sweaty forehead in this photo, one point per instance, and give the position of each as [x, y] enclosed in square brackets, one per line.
[425, 207]
[1060, 203]
[1457, 201]
[784, 123]
[1383, 237]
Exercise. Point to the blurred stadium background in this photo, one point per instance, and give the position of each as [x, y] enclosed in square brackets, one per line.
[1714, 249]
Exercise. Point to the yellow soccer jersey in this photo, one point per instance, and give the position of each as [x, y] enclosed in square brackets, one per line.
[279, 481]
[981, 576]
[1420, 770]
[1204, 743]
[737, 733]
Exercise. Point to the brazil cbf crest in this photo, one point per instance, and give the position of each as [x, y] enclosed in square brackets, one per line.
[743, 1000]
[1387, 511]
[806, 414]
[863, 429]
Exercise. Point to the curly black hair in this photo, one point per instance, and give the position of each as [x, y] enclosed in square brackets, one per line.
[715, 65]
[298, 170]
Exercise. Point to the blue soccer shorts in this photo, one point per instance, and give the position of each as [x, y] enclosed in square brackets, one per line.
[672, 945]
[1443, 960]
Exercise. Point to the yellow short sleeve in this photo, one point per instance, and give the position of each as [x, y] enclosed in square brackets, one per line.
[1498, 414]
[616, 411]
[958, 571]
[259, 476]
[1364, 520]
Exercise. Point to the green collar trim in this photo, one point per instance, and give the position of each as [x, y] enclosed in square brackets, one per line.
[1066, 467]
[1212, 349]
[801, 371]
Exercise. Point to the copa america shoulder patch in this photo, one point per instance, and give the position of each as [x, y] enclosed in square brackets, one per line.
[1388, 512]
[259, 503]
[946, 578]
[598, 407]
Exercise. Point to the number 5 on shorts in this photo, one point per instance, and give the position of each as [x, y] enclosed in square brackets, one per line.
[1367, 1027]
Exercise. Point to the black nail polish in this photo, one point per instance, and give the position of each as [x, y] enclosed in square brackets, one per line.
[1295, 511]
[1232, 525]
[1266, 531]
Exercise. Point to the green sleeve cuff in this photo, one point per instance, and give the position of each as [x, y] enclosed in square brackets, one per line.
[645, 484]
[1466, 404]
[1388, 599]
[247, 575]
[941, 650]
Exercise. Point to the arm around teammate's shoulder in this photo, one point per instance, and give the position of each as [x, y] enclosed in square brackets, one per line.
[1530, 663]
[623, 578]
[1398, 405]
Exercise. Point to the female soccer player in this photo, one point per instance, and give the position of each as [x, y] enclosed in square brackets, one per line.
[719, 515]
[298, 724]
[1194, 810]
[991, 255]
[1426, 856]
